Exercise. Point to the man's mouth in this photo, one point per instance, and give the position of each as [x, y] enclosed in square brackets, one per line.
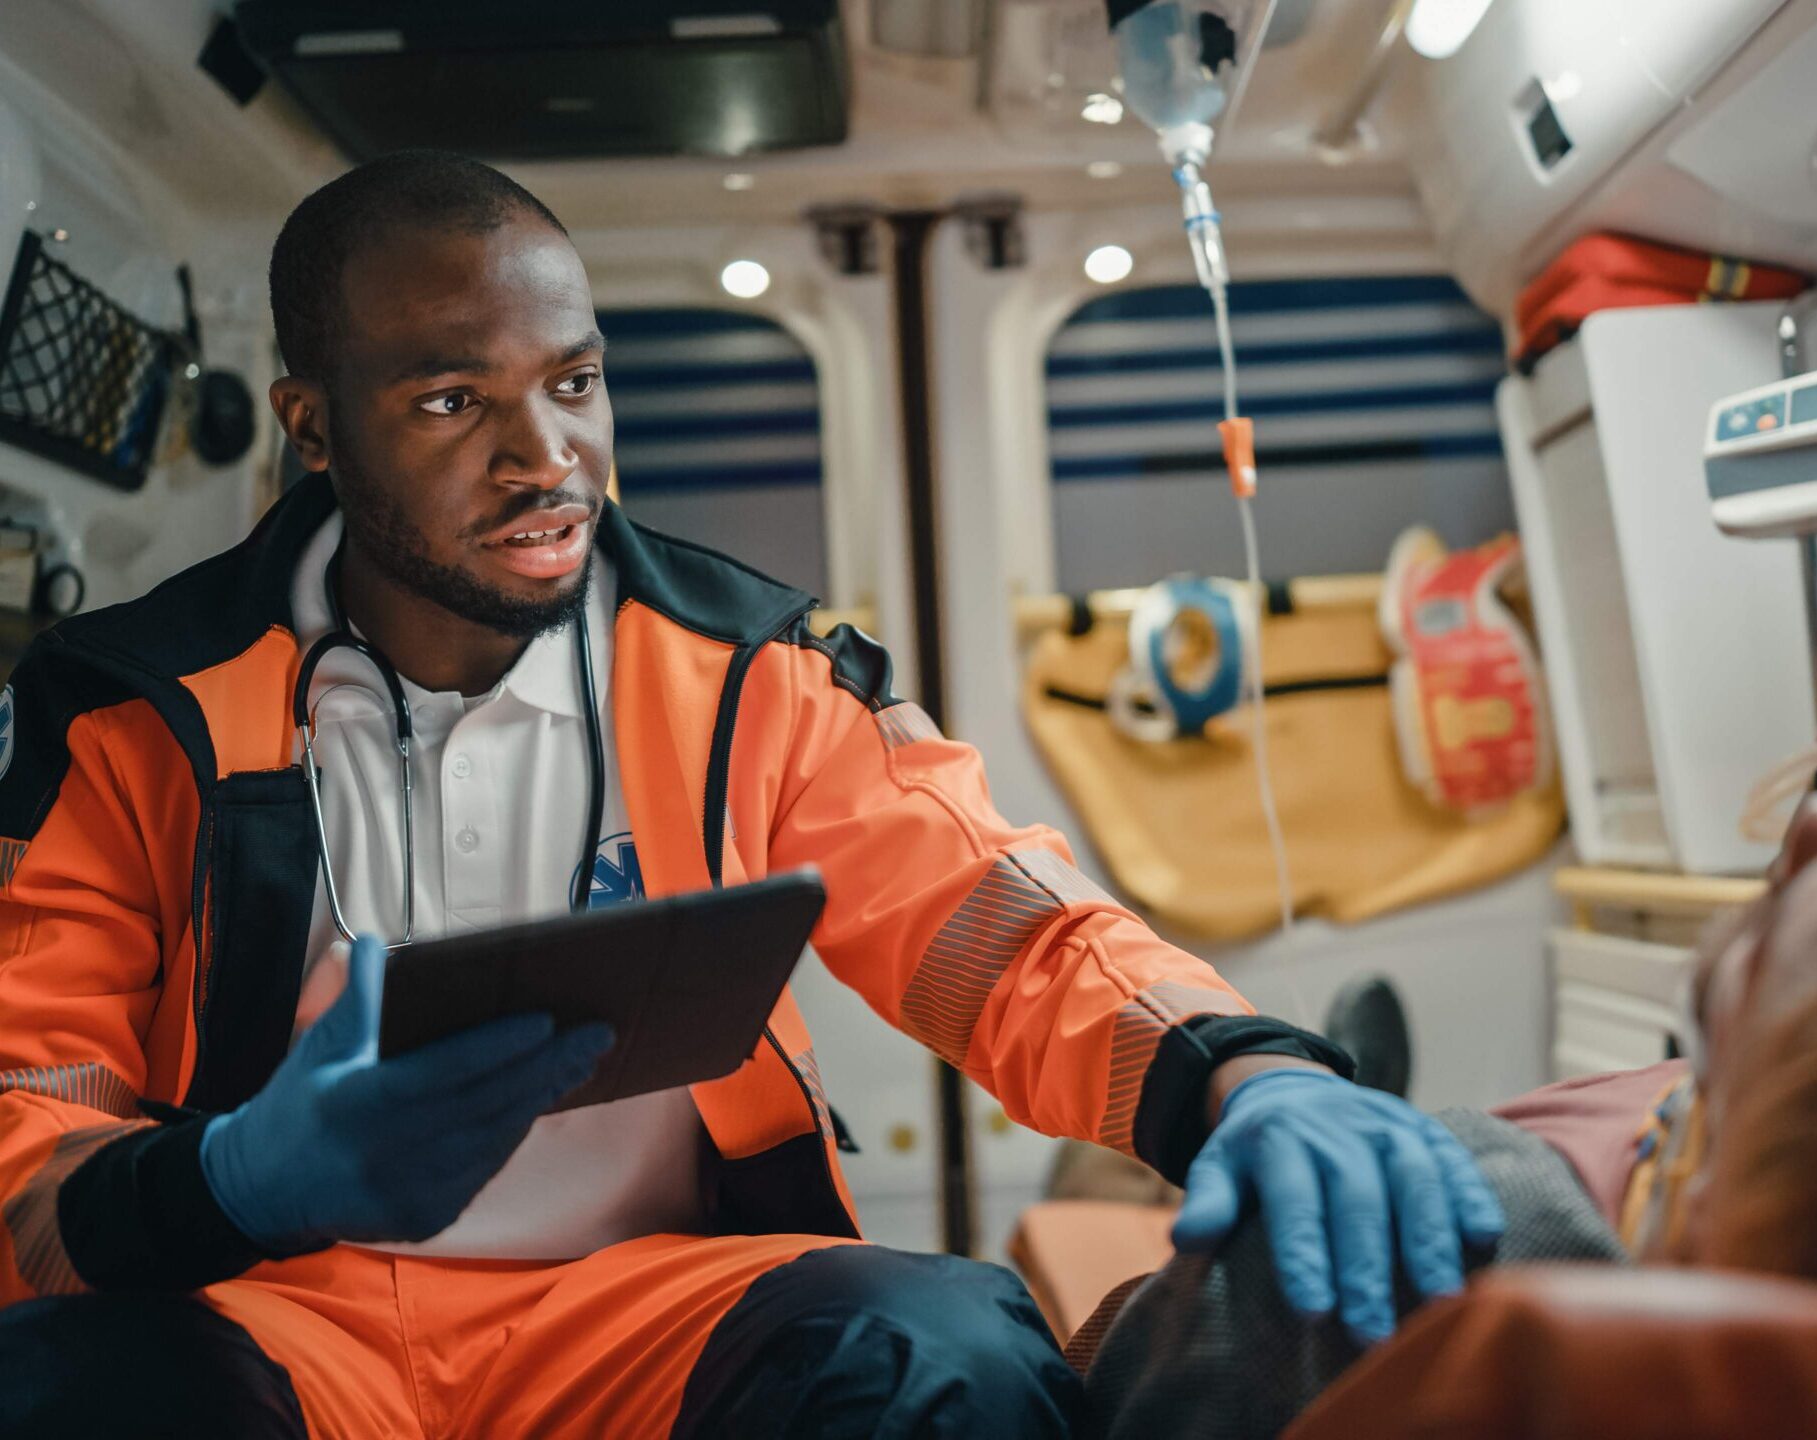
[547, 526]
[544, 545]
[525, 538]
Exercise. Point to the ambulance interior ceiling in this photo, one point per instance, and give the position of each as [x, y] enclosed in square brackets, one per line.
[951, 99]
[923, 128]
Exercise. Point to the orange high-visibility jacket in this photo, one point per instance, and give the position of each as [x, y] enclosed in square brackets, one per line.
[159, 865]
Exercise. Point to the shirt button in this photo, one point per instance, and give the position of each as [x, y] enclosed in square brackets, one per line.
[467, 841]
[460, 767]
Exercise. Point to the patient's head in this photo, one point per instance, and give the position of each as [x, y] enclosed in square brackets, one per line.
[1756, 1206]
[1760, 969]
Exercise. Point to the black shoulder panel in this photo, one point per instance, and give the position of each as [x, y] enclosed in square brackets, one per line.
[710, 593]
[141, 649]
[859, 663]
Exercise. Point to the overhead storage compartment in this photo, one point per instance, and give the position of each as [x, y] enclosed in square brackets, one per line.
[1518, 139]
[514, 82]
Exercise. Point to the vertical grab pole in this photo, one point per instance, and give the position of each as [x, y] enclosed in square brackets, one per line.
[910, 232]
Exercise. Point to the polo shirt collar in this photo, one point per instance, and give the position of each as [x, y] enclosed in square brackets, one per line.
[545, 677]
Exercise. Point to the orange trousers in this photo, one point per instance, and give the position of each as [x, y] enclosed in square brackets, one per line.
[381, 1345]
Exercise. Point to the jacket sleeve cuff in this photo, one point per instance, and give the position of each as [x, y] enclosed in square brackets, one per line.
[138, 1215]
[1170, 1126]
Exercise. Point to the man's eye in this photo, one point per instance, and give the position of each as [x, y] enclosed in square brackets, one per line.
[581, 384]
[454, 404]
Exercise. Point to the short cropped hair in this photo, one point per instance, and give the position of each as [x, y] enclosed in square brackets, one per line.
[428, 189]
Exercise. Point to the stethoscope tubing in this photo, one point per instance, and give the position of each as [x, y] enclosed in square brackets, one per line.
[343, 638]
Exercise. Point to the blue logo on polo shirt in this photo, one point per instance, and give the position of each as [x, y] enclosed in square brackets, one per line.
[617, 875]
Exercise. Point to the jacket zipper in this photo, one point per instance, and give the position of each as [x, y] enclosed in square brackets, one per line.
[713, 824]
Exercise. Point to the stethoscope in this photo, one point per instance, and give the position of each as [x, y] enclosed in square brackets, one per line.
[343, 638]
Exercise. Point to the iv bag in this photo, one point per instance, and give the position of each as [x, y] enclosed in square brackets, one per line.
[1176, 57]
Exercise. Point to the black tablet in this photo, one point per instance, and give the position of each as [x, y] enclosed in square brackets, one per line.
[688, 982]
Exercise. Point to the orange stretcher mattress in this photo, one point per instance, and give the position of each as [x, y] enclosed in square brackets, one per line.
[1180, 826]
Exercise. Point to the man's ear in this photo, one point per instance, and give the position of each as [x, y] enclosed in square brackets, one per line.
[302, 409]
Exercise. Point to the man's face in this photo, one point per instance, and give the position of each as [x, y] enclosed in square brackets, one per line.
[468, 413]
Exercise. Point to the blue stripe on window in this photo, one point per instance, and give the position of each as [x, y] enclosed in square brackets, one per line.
[1263, 297]
[711, 427]
[1211, 409]
[704, 377]
[644, 479]
[1485, 341]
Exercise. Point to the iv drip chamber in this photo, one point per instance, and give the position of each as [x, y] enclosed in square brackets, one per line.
[1175, 56]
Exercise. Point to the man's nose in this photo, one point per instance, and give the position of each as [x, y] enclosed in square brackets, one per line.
[533, 448]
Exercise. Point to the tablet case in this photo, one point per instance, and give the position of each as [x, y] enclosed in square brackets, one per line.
[688, 981]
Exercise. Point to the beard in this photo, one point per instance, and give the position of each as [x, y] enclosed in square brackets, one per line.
[387, 539]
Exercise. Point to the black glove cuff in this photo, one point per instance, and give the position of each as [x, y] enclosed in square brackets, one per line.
[138, 1215]
[1171, 1126]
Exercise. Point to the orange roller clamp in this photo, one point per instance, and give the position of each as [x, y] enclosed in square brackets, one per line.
[1239, 454]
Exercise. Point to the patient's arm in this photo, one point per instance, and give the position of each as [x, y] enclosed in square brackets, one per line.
[1208, 1349]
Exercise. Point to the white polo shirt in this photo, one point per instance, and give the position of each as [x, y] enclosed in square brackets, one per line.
[500, 799]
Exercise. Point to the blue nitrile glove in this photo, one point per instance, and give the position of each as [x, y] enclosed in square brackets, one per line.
[1330, 1162]
[341, 1145]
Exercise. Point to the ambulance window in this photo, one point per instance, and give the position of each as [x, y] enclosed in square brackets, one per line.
[718, 435]
[1373, 400]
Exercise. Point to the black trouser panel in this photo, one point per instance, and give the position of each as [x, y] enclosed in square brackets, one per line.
[137, 1366]
[859, 1341]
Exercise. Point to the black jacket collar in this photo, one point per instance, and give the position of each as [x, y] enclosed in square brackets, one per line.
[220, 608]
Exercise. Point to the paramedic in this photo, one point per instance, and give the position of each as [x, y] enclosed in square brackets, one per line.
[211, 1229]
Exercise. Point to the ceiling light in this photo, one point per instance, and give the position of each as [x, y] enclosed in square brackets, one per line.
[1438, 28]
[1104, 169]
[738, 180]
[1109, 264]
[745, 279]
[1102, 109]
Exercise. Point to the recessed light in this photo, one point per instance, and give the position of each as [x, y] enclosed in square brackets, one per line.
[1102, 109]
[1437, 29]
[738, 180]
[1109, 264]
[745, 279]
[1104, 169]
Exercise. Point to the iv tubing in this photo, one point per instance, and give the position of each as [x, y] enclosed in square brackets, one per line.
[1201, 219]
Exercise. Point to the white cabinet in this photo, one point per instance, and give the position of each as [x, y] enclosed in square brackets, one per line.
[1676, 656]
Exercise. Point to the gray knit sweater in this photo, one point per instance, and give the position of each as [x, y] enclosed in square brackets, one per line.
[1208, 1349]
